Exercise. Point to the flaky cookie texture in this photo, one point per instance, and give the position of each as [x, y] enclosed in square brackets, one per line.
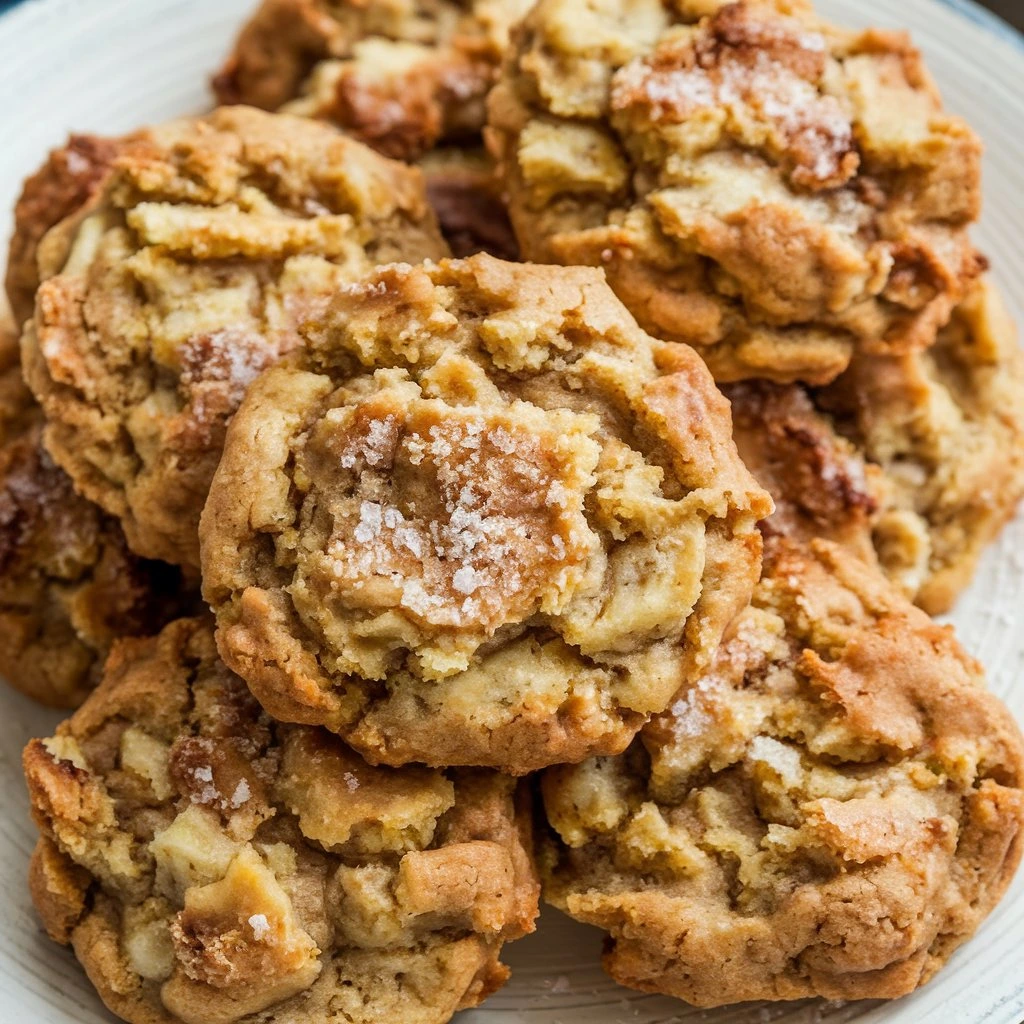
[482, 518]
[830, 811]
[68, 584]
[69, 180]
[774, 190]
[914, 461]
[209, 865]
[401, 75]
[212, 241]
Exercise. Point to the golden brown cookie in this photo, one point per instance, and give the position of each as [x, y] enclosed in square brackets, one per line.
[210, 866]
[400, 75]
[482, 518]
[212, 240]
[914, 461]
[832, 810]
[68, 584]
[69, 180]
[776, 191]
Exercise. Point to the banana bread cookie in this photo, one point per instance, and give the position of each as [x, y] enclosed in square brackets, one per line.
[210, 866]
[481, 518]
[916, 461]
[213, 239]
[831, 811]
[400, 75]
[778, 192]
[68, 584]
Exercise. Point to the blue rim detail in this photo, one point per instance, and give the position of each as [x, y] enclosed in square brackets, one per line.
[973, 11]
[970, 9]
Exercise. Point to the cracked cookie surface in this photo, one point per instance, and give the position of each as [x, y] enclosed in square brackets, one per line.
[68, 181]
[401, 76]
[209, 865]
[212, 240]
[776, 191]
[69, 586]
[832, 810]
[914, 461]
[481, 518]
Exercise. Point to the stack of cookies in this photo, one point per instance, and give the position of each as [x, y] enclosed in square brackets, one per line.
[509, 450]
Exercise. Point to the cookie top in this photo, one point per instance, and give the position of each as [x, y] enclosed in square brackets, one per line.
[481, 518]
[915, 461]
[776, 191]
[68, 584]
[830, 811]
[212, 240]
[401, 75]
[208, 864]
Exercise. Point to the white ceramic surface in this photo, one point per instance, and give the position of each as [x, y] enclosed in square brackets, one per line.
[110, 65]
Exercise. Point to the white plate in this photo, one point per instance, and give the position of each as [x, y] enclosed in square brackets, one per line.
[110, 65]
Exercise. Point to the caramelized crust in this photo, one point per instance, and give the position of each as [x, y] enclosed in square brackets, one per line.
[831, 811]
[212, 240]
[777, 192]
[68, 584]
[466, 196]
[67, 183]
[210, 866]
[481, 519]
[914, 462]
[401, 75]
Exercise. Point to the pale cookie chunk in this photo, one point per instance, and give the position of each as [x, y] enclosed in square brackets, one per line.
[212, 241]
[68, 584]
[778, 192]
[400, 75]
[914, 461]
[831, 811]
[209, 865]
[483, 519]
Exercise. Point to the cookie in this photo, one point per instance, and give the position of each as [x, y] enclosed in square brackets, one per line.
[69, 180]
[831, 811]
[776, 191]
[213, 239]
[68, 584]
[481, 518]
[466, 196]
[915, 461]
[400, 76]
[210, 866]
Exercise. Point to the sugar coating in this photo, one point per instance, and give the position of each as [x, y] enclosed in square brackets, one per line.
[472, 522]
[204, 245]
[776, 191]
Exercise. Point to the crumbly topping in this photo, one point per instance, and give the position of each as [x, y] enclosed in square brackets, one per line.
[776, 191]
[478, 509]
[841, 766]
[766, 70]
[399, 77]
[277, 869]
[211, 243]
[68, 583]
[489, 525]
